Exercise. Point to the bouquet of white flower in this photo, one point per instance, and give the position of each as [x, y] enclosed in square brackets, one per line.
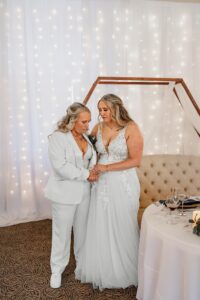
[196, 228]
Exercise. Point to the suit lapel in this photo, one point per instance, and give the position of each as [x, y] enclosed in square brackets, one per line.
[75, 151]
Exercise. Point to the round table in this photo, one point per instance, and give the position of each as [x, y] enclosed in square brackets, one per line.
[169, 257]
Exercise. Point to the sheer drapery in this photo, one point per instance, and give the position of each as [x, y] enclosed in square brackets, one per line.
[52, 51]
[188, 107]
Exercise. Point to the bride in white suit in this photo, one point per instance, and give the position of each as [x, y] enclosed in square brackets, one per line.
[72, 157]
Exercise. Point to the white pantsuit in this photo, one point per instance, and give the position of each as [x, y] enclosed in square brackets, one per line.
[64, 217]
[69, 191]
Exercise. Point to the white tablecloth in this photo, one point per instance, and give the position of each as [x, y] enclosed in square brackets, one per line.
[169, 258]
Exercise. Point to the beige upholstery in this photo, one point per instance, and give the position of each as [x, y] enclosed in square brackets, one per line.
[159, 173]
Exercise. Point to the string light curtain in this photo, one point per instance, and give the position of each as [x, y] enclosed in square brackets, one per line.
[52, 51]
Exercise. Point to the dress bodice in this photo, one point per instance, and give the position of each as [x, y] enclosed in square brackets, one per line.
[117, 149]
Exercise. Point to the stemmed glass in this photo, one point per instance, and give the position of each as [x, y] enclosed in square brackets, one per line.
[172, 202]
[182, 198]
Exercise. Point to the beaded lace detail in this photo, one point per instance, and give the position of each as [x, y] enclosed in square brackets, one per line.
[117, 151]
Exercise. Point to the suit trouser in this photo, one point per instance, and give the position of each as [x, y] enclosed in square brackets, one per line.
[64, 217]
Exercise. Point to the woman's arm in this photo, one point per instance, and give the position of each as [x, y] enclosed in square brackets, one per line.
[94, 130]
[134, 142]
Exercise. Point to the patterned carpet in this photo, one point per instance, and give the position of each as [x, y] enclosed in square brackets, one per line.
[25, 270]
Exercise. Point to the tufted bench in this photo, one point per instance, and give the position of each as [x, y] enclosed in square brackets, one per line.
[158, 174]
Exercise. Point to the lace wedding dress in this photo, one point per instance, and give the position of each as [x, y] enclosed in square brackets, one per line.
[109, 257]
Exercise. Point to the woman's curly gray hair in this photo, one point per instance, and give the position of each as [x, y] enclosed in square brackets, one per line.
[67, 122]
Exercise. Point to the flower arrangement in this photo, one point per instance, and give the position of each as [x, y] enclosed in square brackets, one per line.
[93, 141]
[196, 228]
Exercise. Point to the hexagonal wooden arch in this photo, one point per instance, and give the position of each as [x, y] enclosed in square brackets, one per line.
[144, 81]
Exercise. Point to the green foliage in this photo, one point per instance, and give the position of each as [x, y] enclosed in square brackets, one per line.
[196, 229]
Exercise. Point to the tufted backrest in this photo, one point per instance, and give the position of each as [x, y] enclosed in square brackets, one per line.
[158, 174]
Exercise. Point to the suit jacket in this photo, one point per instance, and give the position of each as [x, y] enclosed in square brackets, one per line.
[65, 184]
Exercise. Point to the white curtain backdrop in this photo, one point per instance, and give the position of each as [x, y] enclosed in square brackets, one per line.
[53, 50]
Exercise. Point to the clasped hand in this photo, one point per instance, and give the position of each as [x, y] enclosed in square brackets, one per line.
[96, 171]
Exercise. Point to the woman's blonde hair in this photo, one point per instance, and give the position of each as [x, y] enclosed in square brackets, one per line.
[67, 122]
[118, 111]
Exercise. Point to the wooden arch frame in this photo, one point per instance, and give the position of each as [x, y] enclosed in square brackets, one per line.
[144, 81]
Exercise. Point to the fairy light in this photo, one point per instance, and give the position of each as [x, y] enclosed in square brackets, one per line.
[59, 76]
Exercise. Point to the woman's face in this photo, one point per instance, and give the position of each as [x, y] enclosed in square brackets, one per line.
[82, 123]
[104, 111]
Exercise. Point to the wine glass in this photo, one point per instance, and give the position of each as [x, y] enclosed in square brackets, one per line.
[182, 198]
[174, 192]
[172, 203]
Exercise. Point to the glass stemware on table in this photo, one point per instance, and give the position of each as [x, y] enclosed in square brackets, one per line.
[172, 202]
[182, 198]
[176, 200]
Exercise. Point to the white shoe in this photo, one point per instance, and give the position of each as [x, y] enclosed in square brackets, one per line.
[55, 281]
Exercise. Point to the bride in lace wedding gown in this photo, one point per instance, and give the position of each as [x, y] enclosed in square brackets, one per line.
[109, 257]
